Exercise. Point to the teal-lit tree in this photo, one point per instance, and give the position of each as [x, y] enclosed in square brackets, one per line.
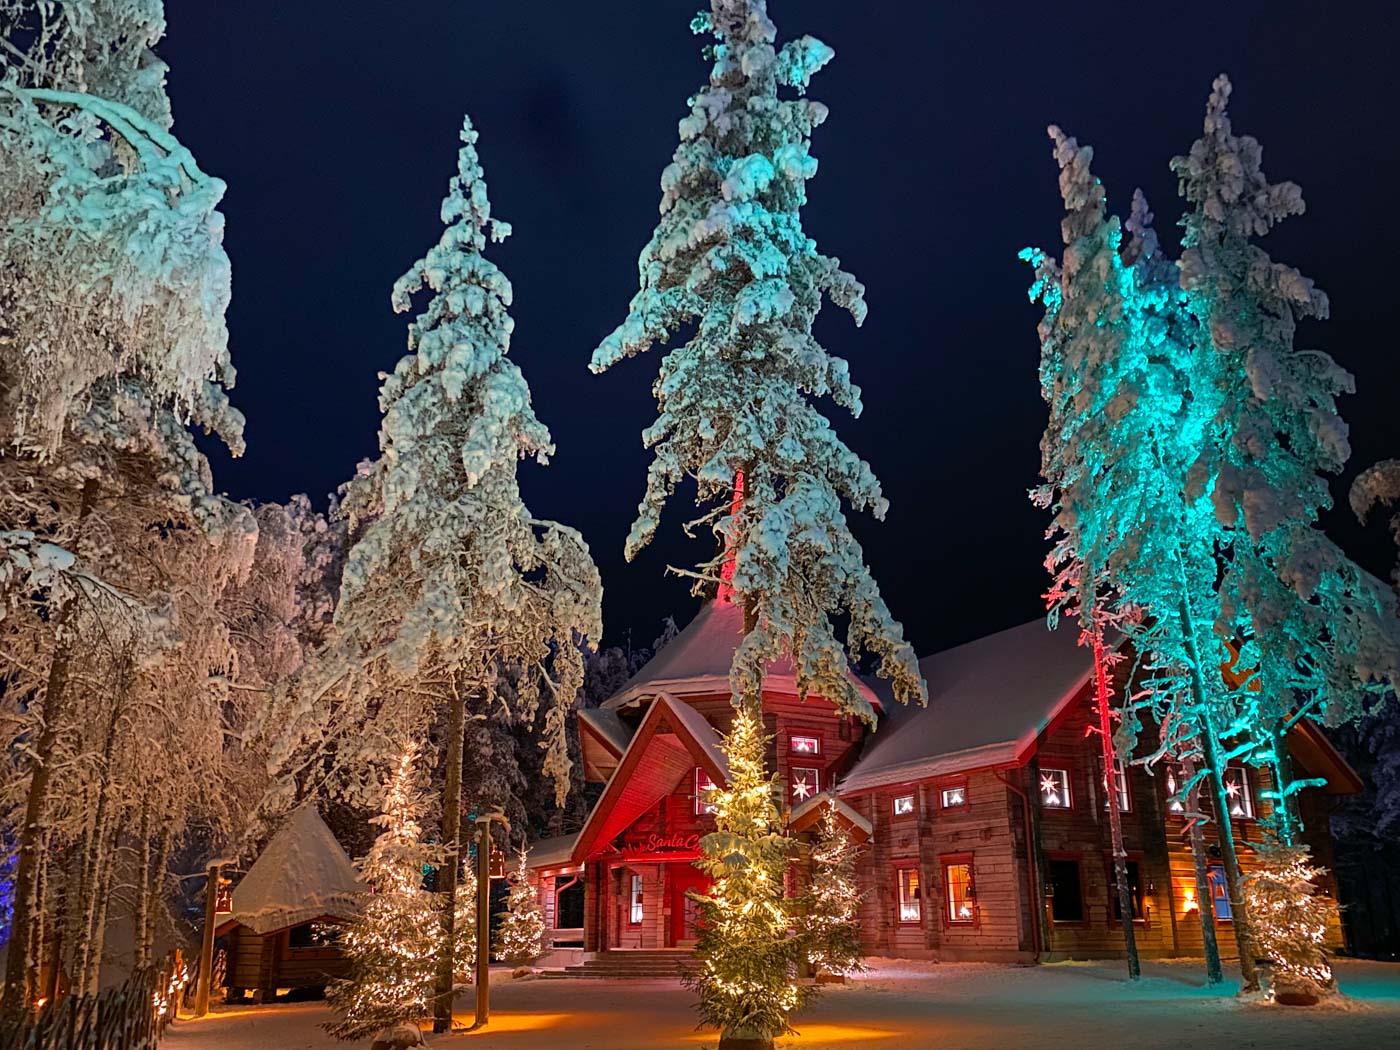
[1316, 636]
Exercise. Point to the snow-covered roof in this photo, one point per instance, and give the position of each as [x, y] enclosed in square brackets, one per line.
[807, 813]
[696, 662]
[988, 701]
[550, 853]
[608, 726]
[301, 875]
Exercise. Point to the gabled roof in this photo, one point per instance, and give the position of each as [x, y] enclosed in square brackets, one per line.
[696, 662]
[673, 738]
[550, 853]
[607, 727]
[806, 814]
[988, 702]
[303, 874]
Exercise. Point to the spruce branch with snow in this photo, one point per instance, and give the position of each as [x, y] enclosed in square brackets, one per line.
[1379, 486]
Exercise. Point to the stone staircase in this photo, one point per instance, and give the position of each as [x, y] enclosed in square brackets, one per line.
[630, 964]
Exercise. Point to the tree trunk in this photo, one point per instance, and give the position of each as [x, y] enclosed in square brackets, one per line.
[1285, 823]
[140, 951]
[1115, 816]
[1205, 899]
[1239, 913]
[25, 926]
[452, 847]
[97, 860]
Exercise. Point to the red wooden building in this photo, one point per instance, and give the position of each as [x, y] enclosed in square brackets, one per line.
[983, 816]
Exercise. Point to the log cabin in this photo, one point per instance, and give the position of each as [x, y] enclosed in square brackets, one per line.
[281, 929]
[982, 818]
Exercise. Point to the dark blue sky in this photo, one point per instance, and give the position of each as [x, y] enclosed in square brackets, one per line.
[335, 127]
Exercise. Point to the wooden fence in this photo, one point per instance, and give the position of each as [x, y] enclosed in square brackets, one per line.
[130, 1016]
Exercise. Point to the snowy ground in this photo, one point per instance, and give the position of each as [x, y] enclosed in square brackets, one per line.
[898, 1006]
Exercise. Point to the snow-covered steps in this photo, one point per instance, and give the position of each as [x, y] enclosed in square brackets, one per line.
[637, 964]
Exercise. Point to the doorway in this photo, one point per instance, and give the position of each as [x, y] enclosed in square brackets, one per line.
[684, 912]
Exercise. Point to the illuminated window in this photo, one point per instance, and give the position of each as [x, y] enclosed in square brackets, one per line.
[703, 783]
[959, 894]
[1066, 895]
[909, 906]
[1135, 896]
[1174, 783]
[1237, 794]
[805, 783]
[1054, 788]
[805, 745]
[634, 914]
[1220, 895]
[903, 805]
[953, 797]
[1120, 788]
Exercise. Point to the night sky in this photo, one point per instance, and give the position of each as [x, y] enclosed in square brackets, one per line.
[335, 126]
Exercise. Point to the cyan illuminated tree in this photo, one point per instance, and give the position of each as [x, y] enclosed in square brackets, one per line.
[1316, 635]
[454, 597]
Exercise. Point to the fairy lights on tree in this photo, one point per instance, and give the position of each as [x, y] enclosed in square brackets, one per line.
[520, 936]
[1290, 920]
[393, 945]
[748, 962]
[829, 907]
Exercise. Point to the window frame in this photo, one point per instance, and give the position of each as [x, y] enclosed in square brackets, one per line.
[1138, 859]
[958, 860]
[895, 800]
[636, 899]
[1111, 790]
[1171, 784]
[805, 734]
[1251, 813]
[900, 868]
[816, 772]
[1077, 859]
[1060, 766]
[702, 808]
[953, 785]
[1211, 869]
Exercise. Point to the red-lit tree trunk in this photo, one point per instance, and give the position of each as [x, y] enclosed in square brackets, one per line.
[1102, 695]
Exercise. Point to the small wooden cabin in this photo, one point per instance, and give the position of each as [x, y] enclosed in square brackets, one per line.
[282, 929]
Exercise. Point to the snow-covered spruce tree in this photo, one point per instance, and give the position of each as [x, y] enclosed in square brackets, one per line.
[1290, 921]
[520, 935]
[1378, 486]
[451, 587]
[1318, 636]
[102, 210]
[730, 258]
[828, 910]
[393, 945]
[745, 980]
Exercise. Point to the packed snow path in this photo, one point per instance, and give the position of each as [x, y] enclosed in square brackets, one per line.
[898, 1006]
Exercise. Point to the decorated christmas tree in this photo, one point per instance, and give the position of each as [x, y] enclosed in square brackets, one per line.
[1290, 921]
[393, 945]
[747, 960]
[464, 927]
[520, 936]
[828, 922]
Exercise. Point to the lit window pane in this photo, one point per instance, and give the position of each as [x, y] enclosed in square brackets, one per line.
[1237, 795]
[1054, 788]
[805, 745]
[903, 805]
[703, 783]
[1174, 804]
[1120, 785]
[909, 902]
[958, 880]
[805, 784]
[954, 796]
[635, 914]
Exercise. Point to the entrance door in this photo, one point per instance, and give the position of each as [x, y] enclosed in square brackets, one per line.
[683, 910]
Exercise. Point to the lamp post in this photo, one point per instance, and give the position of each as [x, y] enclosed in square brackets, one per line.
[206, 947]
[483, 914]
